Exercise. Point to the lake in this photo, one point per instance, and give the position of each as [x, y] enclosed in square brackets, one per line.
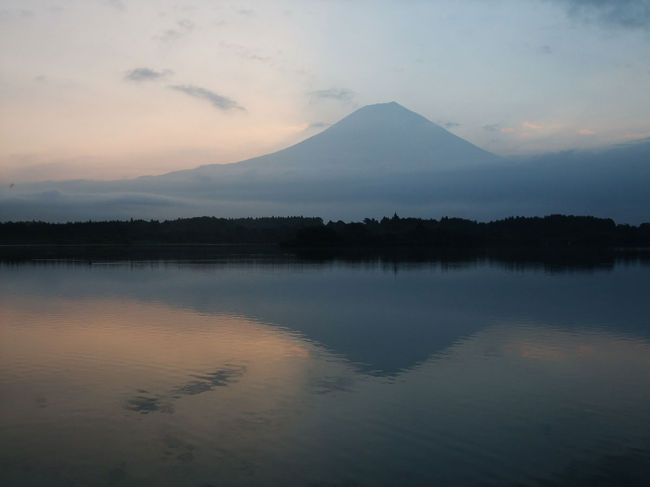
[278, 371]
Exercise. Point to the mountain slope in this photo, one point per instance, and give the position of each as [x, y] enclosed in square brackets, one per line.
[383, 137]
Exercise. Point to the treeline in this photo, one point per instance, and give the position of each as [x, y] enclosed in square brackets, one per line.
[548, 231]
[301, 232]
[201, 230]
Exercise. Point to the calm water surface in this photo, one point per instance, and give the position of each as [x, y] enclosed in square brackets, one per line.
[294, 373]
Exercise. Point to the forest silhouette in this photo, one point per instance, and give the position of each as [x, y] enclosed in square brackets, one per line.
[310, 232]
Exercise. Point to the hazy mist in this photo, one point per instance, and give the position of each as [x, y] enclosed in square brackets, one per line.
[379, 160]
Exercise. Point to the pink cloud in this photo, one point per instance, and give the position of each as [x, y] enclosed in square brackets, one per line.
[643, 135]
[507, 130]
[586, 132]
[531, 125]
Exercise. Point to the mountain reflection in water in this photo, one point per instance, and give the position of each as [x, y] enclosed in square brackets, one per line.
[259, 374]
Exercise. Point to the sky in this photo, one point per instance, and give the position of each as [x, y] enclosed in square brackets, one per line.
[111, 89]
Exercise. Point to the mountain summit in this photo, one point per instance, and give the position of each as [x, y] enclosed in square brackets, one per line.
[385, 136]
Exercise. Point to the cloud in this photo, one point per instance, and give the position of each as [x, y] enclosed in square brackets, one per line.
[117, 4]
[11, 14]
[319, 125]
[146, 74]
[531, 125]
[586, 132]
[216, 100]
[496, 127]
[637, 136]
[450, 125]
[245, 52]
[333, 94]
[628, 14]
[545, 49]
[185, 26]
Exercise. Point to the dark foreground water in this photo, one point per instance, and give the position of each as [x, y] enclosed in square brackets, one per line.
[293, 373]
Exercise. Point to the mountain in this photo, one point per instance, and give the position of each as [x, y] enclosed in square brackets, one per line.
[385, 138]
[376, 161]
